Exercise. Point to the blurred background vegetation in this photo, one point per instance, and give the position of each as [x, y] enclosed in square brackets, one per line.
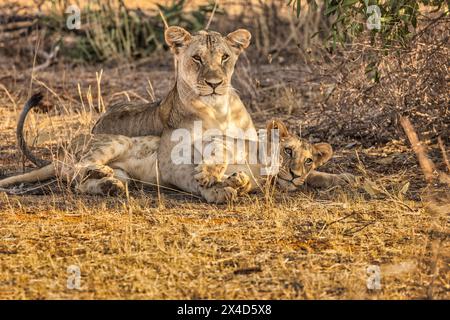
[120, 29]
[311, 59]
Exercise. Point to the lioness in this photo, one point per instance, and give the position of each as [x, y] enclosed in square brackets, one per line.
[104, 163]
[202, 91]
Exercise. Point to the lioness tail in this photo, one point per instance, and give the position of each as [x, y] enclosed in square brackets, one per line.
[31, 103]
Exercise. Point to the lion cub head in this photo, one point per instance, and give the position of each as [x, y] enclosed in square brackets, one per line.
[205, 60]
[298, 157]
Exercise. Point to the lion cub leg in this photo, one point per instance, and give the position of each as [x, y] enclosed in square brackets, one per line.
[318, 179]
[93, 173]
[108, 185]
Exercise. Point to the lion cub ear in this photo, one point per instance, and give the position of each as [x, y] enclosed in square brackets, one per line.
[322, 152]
[176, 37]
[239, 39]
[277, 125]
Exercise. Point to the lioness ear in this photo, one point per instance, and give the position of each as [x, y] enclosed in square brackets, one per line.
[239, 39]
[176, 37]
[277, 125]
[322, 152]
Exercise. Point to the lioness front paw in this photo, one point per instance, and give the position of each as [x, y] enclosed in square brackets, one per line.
[205, 180]
[208, 175]
[95, 171]
[239, 181]
[105, 186]
[219, 195]
[111, 187]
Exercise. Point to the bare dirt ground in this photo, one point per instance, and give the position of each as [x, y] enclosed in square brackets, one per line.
[310, 244]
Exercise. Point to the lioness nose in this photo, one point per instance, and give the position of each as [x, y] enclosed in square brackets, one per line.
[213, 84]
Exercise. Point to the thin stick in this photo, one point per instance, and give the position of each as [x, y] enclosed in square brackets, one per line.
[151, 93]
[160, 205]
[101, 105]
[10, 97]
[212, 15]
[81, 97]
[419, 149]
[444, 153]
[38, 41]
[166, 25]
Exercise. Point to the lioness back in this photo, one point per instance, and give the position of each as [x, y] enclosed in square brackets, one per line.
[130, 119]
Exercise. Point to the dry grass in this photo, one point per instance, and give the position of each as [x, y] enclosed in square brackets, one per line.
[311, 244]
[303, 247]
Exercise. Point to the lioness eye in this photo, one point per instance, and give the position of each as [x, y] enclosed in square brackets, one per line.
[225, 57]
[288, 151]
[308, 161]
[197, 58]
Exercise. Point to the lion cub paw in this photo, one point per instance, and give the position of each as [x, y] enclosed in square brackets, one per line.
[208, 175]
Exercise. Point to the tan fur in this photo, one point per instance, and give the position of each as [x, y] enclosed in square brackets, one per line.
[202, 92]
[298, 167]
[99, 164]
[104, 164]
[191, 94]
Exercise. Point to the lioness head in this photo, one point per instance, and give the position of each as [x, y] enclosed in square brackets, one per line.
[298, 157]
[205, 61]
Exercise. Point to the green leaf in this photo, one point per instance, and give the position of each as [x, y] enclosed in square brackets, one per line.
[349, 2]
[330, 10]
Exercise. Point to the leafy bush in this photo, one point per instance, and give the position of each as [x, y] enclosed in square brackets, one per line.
[349, 18]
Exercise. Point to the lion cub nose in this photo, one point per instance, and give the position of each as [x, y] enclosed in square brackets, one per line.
[214, 83]
[294, 175]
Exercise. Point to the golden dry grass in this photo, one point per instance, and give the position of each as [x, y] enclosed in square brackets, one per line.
[299, 248]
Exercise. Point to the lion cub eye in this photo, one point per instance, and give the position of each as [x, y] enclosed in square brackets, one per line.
[197, 58]
[308, 161]
[288, 151]
[225, 57]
